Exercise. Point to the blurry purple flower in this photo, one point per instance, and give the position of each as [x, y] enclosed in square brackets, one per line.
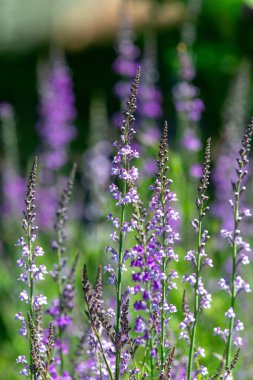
[57, 113]
[6, 110]
[125, 65]
[191, 142]
[196, 170]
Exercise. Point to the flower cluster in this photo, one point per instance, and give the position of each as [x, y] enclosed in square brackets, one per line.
[234, 116]
[189, 107]
[152, 255]
[13, 185]
[240, 250]
[125, 194]
[31, 274]
[163, 238]
[188, 30]
[150, 96]
[62, 306]
[56, 131]
[103, 347]
[150, 108]
[57, 113]
[125, 65]
[199, 259]
[97, 163]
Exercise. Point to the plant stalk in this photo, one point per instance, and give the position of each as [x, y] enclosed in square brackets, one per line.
[196, 299]
[233, 288]
[59, 283]
[119, 280]
[163, 281]
[31, 294]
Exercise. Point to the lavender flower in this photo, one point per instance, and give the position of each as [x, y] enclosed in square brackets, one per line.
[151, 256]
[150, 96]
[234, 117]
[189, 107]
[61, 307]
[96, 317]
[57, 113]
[55, 129]
[97, 164]
[239, 248]
[150, 108]
[161, 244]
[188, 30]
[127, 175]
[41, 352]
[199, 259]
[13, 185]
[32, 273]
[125, 65]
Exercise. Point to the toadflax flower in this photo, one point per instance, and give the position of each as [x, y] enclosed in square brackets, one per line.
[187, 102]
[125, 65]
[235, 112]
[161, 243]
[62, 306]
[189, 107]
[198, 259]
[13, 185]
[149, 108]
[125, 194]
[57, 113]
[239, 250]
[31, 274]
[56, 131]
[152, 255]
[110, 340]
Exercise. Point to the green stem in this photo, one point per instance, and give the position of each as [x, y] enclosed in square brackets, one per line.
[163, 281]
[196, 299]
[233, 288]
[99, 366]
[31, 294]
[143, 232]
[104, 357]
[151, 359]
[119, 279]
[59, 283]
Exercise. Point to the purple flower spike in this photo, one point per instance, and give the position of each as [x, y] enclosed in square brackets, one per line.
[199, 259]
[32, 273]
[125, 65]
[154, 253]
[239, 248]
[13, 185]
[57, 113]
[56, 131]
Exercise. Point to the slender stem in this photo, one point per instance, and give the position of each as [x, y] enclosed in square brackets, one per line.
[119, 279]
[103, 354]
[233, 288]
[163, 281]
[144, 241]
[99, 366]
[31, 294]
[47, 377]
[59, 283]
[196, 299]
[151, 359]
